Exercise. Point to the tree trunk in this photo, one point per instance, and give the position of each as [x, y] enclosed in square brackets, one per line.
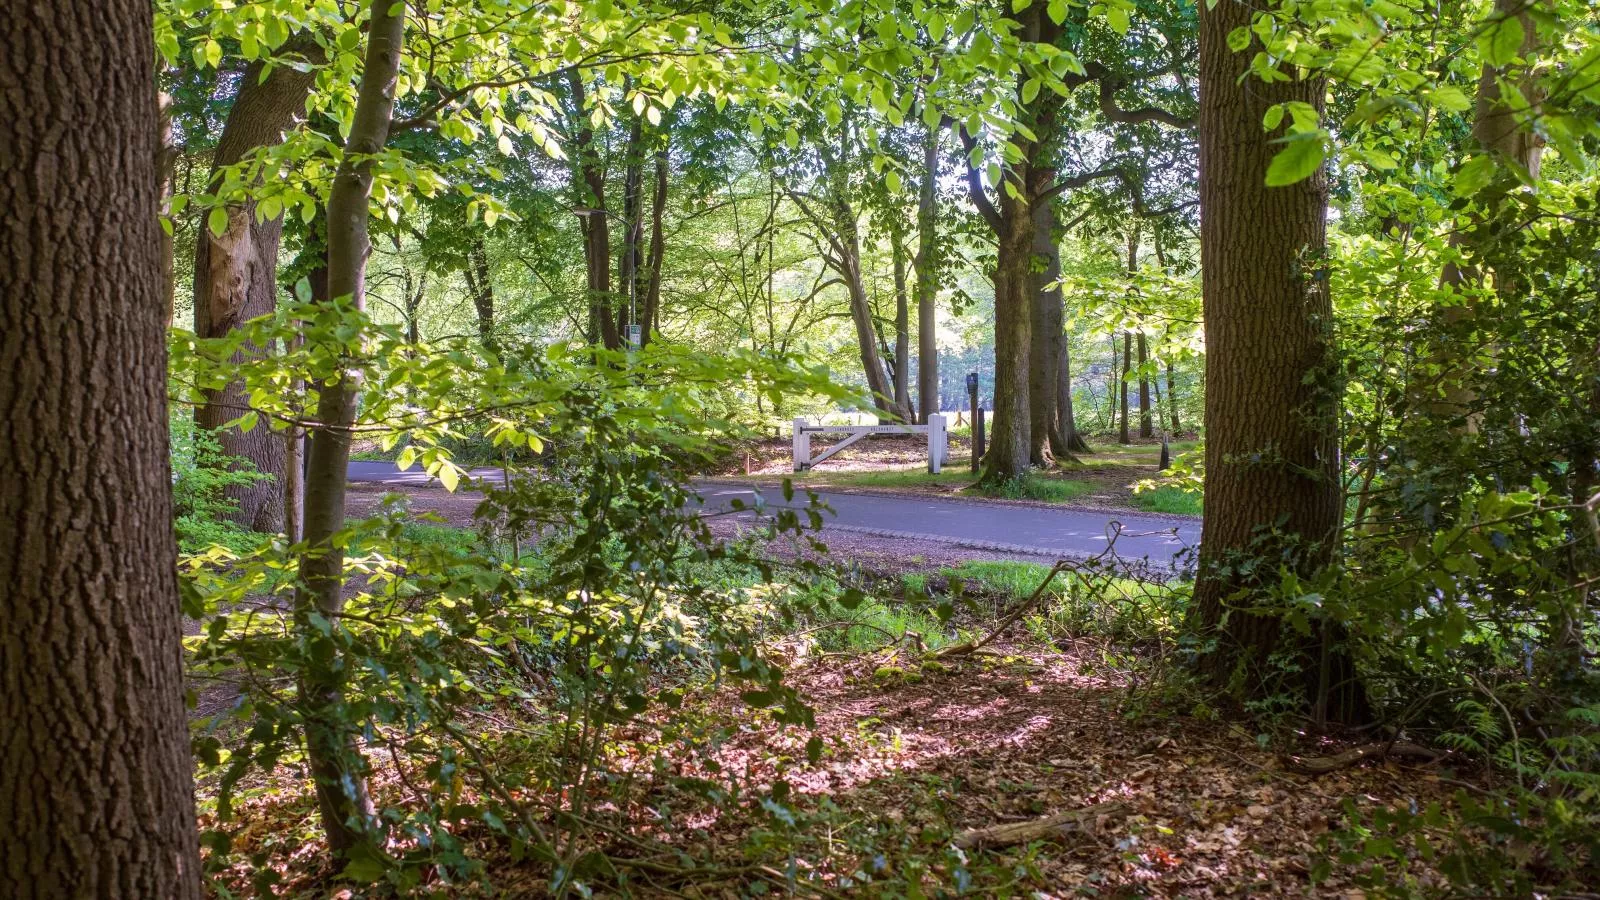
[927, 269]
[481, 288]
[902, 327]
[589, 189]
[650, 317]
[1271, 448]
[1124, 433]
[1147, 425]
[1049, 443]
[629, 270]
[96, 786]
[336, 764]
[1172, 399]
[1010, 435]
[236, 279]
[1068, 420]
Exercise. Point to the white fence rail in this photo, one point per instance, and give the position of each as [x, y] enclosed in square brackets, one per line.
[938, 440]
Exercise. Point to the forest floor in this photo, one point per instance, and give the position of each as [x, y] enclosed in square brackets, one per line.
[1149, 799]
[1138, 788]
[1102, 479]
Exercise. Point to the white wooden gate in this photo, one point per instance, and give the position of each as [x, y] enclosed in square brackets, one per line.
[938, 440]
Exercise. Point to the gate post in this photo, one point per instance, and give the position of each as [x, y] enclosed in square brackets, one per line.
[937, 445]
[802, 446]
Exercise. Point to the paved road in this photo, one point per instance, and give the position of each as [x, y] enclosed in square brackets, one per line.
[1001, 527]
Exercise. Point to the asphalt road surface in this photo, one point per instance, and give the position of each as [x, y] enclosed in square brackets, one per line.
[1077, 533]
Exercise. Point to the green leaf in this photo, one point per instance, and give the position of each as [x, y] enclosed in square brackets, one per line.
[1450, 97]
[217, 221]
[1117, 18]
[1239, 38]
[1300, 157]
[365, 871]
[1501, 42]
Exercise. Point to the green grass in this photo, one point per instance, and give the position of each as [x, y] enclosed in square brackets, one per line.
[1173, 500]
[870, 625]
[1042, 488]
[1014, 579]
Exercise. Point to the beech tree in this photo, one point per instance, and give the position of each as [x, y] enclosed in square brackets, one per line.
[96, 790]
[236, 269]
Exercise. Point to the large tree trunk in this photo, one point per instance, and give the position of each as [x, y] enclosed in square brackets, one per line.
[1049, 440]
[902, 327]
[1010, 437]
[649, 317]
[96, 790]
[926, 265]
[236, 279]
[338, 767]
[1271, 445]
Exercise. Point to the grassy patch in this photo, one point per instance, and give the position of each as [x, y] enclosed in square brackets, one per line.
[1016, 579]
[951, 478]
[1042, 488]
[1174, 500]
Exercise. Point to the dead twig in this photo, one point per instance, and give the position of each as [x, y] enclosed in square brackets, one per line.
[1058, 825]
[1322, 765]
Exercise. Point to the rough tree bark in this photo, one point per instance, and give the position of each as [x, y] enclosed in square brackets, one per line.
[338, 767]
[630, 271]
[926, 265]
[236, 279]
[1271, 448]
[96, 791]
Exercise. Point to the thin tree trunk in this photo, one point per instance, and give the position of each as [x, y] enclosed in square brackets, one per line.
[481, 288]
[1064, 409]
[1172, 399]
[589, 189]
[336, 764]
[650, 318]
[1271, 448]
[629, 270]
[1147, 426]
[926, 265]
[96, 790]
[1124, 434]
[236, 279]
[902, 327]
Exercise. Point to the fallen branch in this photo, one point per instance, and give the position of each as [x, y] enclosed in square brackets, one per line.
[1322, 765]
[1058, 825]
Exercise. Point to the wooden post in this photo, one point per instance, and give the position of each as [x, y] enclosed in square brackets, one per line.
[977, 437]
[802, 446]
[937, 445]
[972, 399]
